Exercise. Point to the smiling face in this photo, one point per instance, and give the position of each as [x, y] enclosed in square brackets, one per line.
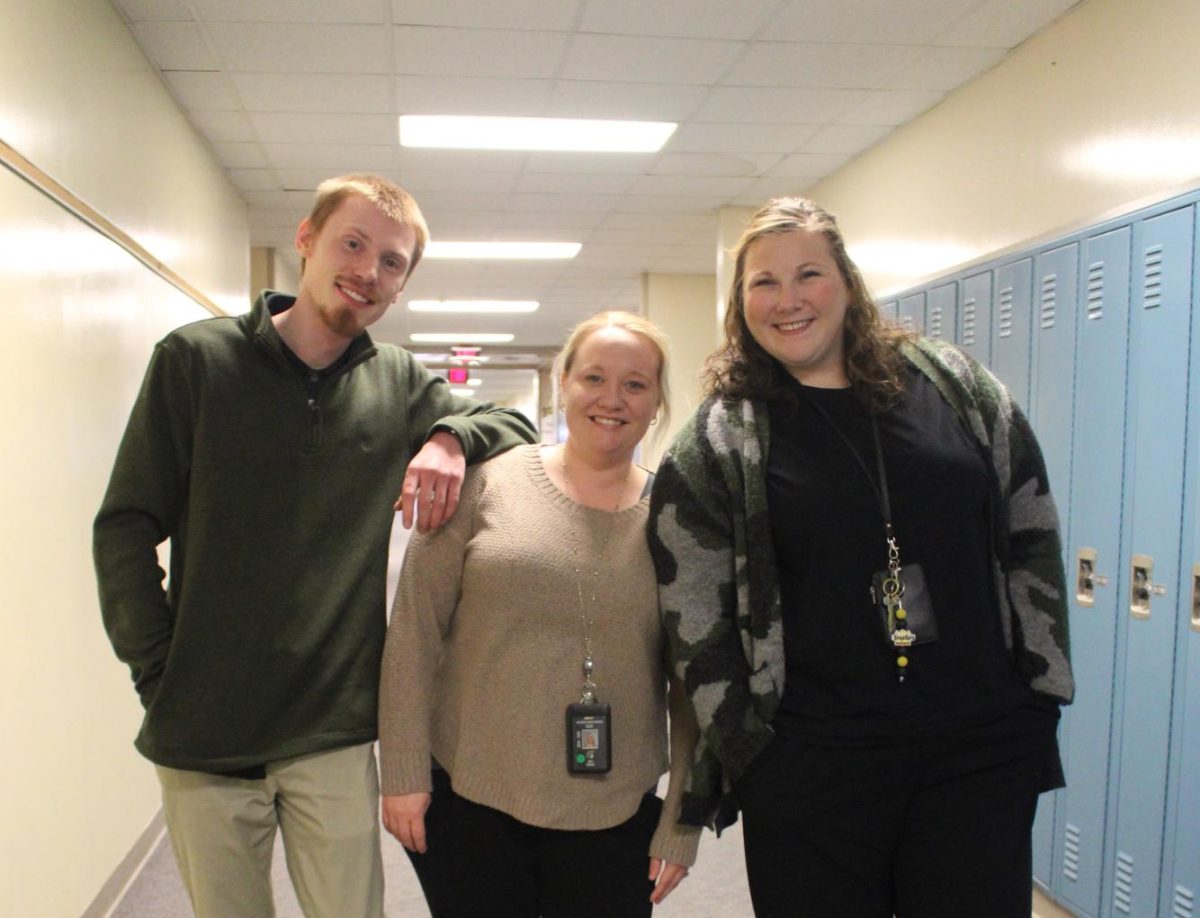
[611, 391]
[356, 265]
[795, 305]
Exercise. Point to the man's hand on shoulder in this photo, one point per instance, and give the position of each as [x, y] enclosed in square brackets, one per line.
[432, 483]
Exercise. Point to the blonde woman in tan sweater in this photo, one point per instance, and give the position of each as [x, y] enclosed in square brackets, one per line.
[523, 704]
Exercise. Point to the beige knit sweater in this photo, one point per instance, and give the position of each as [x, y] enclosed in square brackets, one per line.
[485, 647]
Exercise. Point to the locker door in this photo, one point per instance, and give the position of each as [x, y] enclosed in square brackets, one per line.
[1094, 527]
[1051, 397]
[975, 317]
[912, 312]
[1011, 328]
[888, 311]
[1181, 878]
[1155, 437]
[941, 311]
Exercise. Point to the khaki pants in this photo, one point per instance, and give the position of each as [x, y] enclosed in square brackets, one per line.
[326, 805]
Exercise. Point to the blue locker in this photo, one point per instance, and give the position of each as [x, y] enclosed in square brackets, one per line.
[888, 311]
[1181, 856]
[1093, 567]
[1160, 319]
[1011, 324]
[974, 324]
[941, 312]
[912, 312]
[1050, 408]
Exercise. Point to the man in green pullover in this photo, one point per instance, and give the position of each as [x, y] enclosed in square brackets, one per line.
[267, 448]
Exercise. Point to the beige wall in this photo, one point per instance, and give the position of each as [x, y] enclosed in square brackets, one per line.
[1100, 111]
[80, 101]
[682, 306]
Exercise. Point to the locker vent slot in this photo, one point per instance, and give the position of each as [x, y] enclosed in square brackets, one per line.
[1152, 293]
[935, 322]
[1123, 884]
[1006, 312]
[908, 323]
[1185, 903]
[968, 337]
[1071, 853]
[1095, 290]
[1049, 299]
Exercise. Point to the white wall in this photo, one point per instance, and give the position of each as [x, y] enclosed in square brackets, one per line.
[1100, 111]
[81, 316]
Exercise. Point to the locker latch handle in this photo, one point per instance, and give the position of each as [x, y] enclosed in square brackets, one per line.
[1087, 579]
[1196, 597]
[1141, 587]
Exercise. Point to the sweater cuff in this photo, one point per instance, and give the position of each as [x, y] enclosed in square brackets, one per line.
[405, 773]
[676, 843]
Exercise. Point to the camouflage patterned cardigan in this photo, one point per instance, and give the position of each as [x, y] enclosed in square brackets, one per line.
[718, 591]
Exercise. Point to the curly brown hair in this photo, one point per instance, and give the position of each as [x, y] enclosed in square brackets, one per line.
[741, 369]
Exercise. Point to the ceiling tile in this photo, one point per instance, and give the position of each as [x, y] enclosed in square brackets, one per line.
[306, 48]
[847, 139]
[1002, 23]
[591, 163]
[943, 69]
[563, 203]
[678, 18]
[335, 157]
[141, 10]
[762, 190]
[202, 91]
[462, 199]
[342, 11]
[565, 182]
[223, 126]
[706, 186]
[543, 15]
[914, 22]
[721, 137]
[459, 160]
[308, 179]
[637, 59]
[255, 179]
[477, 52]
[299, 201]
[682, 222]
[324, 127]
[302, 92]
[886, 107]
[174, 45]
[747, 164]
[418, 182]
[783, 106]
[637, 101]
[241, 155]
[828, 66]
[425, 95]
[807, 165]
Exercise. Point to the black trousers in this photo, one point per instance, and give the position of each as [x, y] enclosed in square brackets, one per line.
[482, 863]
[930, 830]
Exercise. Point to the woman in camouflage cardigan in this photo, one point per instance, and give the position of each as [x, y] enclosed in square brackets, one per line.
[799, 313]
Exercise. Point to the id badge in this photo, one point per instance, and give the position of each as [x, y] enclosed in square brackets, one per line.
[589, 738]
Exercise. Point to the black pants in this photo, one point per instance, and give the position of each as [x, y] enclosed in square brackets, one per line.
[930, 830]
[482, 863]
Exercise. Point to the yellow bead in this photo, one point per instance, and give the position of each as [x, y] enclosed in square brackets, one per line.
[901, 614]
[902, 662]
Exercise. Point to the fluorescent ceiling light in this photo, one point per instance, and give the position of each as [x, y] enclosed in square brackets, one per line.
[468, 132]
[474, 382]
[528, 250]
[473, 305]
[460, 338]
[462, 391]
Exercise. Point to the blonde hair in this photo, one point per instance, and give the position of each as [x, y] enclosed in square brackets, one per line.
[741, 369]
[394, 201]
[636, 325]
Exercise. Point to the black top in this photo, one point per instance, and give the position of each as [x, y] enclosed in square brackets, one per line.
[841, 686]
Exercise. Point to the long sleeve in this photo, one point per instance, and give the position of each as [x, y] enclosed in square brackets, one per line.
[673, 841]
[144, 506]
[483, 429]
[426, 598]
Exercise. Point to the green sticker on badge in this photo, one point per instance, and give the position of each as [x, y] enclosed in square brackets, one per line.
[581, 758]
